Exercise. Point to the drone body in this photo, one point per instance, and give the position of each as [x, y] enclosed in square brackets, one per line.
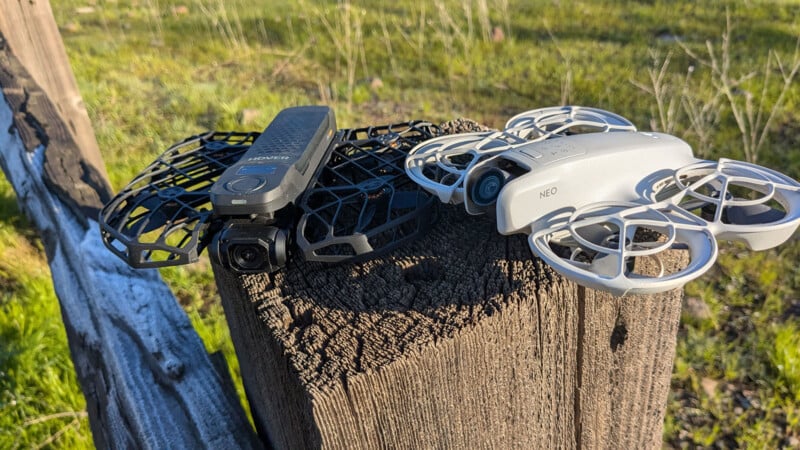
[605, 205]
[566, 174]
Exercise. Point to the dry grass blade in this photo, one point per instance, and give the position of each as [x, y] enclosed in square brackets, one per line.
[663, 91]
[41, 419]
[754, 114]
[52, 438]
[566, 82]
[229, 27]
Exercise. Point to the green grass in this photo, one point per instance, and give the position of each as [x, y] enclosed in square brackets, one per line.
[39, 397]
[152, 74]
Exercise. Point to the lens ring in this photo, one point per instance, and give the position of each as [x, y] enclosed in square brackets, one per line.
[248, 256]
[487, 187]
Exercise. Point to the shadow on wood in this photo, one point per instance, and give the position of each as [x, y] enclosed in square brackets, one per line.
[459, 340]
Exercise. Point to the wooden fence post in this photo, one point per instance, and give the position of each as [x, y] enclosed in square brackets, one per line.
[459, 340]
[30, 29]
[146, 376]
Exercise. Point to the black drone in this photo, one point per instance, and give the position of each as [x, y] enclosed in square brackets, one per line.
[255, 198]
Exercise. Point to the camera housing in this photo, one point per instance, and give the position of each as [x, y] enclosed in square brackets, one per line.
[250, 247]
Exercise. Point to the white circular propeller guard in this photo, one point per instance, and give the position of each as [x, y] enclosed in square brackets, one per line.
[552, 121]
[742, 201]
[441, 165]
[700, 203]
[605, 234]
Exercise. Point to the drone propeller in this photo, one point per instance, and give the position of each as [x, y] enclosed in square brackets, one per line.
[625, 247]
[740, 201]
[441, 165]
[754, 214]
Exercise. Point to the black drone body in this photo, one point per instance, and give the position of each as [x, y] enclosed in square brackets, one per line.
[253, 198]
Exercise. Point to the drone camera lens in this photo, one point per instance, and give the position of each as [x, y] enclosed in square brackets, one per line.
[248, 257]
[487, 187]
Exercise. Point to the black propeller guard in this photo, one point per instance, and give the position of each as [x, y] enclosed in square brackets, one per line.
[161, 217]
[362, 202]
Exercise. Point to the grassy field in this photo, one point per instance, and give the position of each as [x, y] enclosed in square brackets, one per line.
[718, 74]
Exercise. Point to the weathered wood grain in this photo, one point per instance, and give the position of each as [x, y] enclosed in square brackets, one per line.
[146, 376]
[80, 185]
[459, 340]
[29, 28]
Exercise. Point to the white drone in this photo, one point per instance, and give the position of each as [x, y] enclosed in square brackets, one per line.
[602, 202]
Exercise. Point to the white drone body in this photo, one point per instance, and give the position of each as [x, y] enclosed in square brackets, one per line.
[603, 209]
[568, 173]
[441, 165]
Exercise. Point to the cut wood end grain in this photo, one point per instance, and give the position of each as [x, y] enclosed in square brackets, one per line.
[336, 321]
[339, 320]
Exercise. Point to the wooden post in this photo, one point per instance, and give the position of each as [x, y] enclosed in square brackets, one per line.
[146, 376]
[459, 340]
[30, 29]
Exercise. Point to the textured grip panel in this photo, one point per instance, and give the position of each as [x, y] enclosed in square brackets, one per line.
[278, 166]
[292, 132]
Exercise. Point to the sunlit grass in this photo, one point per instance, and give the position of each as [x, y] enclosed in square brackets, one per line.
[785, 358]
[39, 397]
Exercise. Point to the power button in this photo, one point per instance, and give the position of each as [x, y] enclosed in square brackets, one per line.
[245, 184]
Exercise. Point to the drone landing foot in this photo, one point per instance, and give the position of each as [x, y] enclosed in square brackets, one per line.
[458, 340]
